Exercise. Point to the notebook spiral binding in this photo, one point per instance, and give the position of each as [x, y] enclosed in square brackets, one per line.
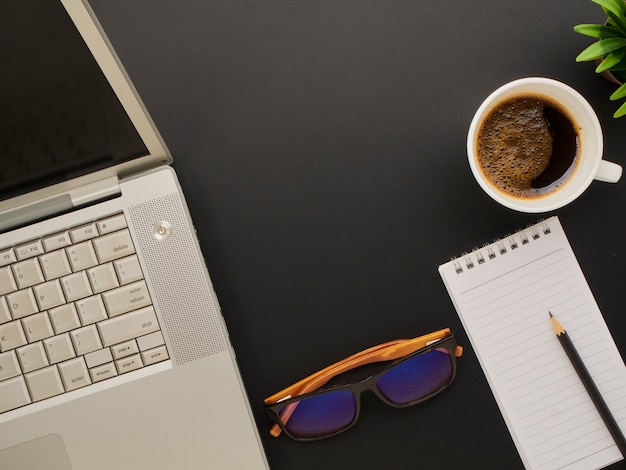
[500, 247]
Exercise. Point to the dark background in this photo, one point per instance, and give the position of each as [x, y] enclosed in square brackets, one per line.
[321, 146]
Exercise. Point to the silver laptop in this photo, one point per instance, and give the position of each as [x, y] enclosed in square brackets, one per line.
[113, 350]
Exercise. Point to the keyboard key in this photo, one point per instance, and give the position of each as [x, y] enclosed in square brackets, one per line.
[27, 273]
[86, 340]
[91, 310]
[5, 313]
[150, 341]
[64, 318]
[127, 348]
[105, 371]
[49, 295]
[7, 281]
[9, 367]
[74, 374]
[32, 357]
[60, 240]
[99, 357]
[37, 327]
[44, 383]
[11, 336]
[126, 298]
[29, 250]
[152, 356]
[83, 233]
[129, 364]
[111, 224]
[7, 257]
[22, 303]
[102, 278]
[59, 348]
[81, 256]
[128, 326]
[55, 264]
[76, 286]
[13, 394]
[113, 246]
[128, 270]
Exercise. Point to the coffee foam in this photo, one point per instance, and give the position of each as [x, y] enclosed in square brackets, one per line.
[514, 145]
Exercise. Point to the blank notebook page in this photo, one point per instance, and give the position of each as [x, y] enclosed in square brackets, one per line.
[503, 293]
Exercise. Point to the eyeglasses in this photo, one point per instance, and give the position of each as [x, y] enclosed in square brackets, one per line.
[421, 368]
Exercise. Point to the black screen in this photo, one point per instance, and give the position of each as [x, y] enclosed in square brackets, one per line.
[59, 116]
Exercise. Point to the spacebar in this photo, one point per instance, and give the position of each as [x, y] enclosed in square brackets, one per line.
[128, 326]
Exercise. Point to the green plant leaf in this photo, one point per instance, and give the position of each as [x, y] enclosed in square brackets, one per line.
[598, 31]
[616, 7]
[620, 67]
[600, 49]
[621, 111]
[617, 21]
[619, 93]
[611, 60]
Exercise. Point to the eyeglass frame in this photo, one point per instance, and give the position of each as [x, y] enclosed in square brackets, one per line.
[397, 351]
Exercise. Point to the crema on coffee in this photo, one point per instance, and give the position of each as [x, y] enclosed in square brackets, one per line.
[528, 146]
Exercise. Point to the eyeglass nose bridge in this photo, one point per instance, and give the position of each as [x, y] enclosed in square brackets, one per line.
[367, 385]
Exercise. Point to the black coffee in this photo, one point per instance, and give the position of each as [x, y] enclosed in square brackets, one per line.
[528, 146]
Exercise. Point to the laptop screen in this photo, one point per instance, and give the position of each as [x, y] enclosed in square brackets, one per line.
[60, 118]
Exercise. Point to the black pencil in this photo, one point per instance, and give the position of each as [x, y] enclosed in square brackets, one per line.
[587, 381]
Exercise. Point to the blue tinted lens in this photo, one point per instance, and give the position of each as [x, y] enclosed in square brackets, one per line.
[417, 377]
[320, 414]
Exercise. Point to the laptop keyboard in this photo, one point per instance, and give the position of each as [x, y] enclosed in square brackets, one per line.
[74, 310]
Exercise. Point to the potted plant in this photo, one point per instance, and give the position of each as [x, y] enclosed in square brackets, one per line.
[609, 51]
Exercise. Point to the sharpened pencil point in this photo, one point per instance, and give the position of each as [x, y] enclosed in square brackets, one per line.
[558, 328]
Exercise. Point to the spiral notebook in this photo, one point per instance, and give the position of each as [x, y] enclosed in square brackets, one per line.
[502, 293]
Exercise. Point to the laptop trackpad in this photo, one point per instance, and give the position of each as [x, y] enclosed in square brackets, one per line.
[46, 452]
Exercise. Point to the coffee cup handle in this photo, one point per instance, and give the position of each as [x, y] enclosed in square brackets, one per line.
[608, 172]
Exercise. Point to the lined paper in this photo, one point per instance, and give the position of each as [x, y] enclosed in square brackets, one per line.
[503, 293]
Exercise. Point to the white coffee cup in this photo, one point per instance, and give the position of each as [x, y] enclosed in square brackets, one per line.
[590, 166]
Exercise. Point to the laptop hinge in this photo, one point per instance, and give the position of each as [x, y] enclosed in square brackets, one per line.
[95, 192]
[55, 205]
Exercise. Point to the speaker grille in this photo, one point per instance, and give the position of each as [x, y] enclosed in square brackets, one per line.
[181, 291]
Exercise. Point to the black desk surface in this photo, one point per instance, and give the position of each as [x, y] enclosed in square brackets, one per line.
[321, 147]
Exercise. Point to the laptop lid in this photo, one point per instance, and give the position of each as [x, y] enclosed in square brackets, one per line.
[72, 122]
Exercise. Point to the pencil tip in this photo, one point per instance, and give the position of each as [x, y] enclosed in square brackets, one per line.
[558, 328]
[550, 313]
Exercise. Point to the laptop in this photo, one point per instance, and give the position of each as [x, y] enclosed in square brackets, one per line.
[113, 349]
